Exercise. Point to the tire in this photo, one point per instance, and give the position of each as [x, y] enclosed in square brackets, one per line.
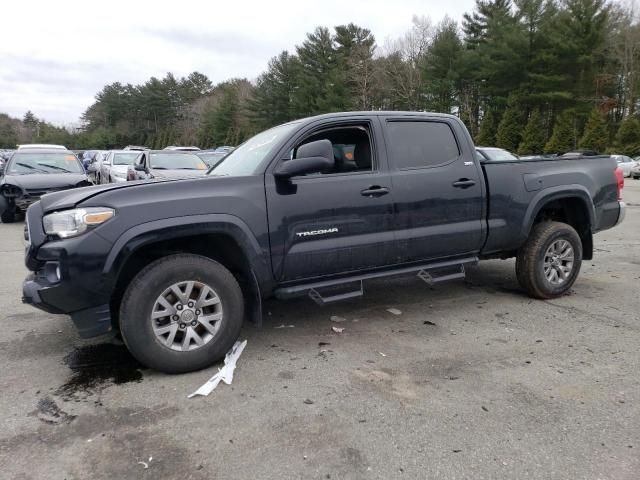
[140, 331]
[9, 215]
[531, 270]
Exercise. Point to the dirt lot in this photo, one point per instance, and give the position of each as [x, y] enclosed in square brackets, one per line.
[472, 380]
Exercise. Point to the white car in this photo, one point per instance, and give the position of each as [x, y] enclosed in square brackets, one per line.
[181, 149]
[115, 167]
[625, 163]
[635, 171]
[41, 145]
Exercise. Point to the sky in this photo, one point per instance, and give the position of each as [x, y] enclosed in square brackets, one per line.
[56, 55]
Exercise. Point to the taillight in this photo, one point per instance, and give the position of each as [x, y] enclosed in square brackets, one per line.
[620, 178]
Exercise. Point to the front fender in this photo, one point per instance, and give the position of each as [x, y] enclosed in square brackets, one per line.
[185, 226]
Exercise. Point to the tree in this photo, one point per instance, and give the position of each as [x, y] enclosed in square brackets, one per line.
[272, 104]
[441, 67]
[596, 135]
[533, 138]
[510, 127]
[627, 141]
[355, 46]
[488, 129]
[563, 138]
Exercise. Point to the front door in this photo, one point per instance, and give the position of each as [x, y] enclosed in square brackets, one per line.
[335, 222]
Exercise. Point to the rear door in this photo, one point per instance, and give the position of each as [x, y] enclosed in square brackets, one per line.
[336, 222]
[438, 188]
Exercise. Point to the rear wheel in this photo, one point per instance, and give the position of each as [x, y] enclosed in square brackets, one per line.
[181, 313]
[548, 264]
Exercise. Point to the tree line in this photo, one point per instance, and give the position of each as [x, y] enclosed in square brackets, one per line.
[531, 76]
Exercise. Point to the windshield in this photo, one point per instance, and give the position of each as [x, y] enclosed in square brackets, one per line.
[176, 161]
[125, 158]
[245, 159]
[25, 163]
[499, 155]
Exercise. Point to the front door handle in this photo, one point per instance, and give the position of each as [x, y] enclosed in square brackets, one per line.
[464, 183]
[374, 191]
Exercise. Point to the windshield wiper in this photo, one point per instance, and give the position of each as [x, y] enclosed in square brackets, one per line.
[55, 167]
[26, 165]
[159, 168]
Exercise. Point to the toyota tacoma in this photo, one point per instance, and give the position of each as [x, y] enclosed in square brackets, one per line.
[312, 207]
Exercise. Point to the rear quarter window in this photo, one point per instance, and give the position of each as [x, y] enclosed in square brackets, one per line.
[421, 144]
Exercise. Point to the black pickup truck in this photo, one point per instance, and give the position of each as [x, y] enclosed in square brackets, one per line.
[313, 207]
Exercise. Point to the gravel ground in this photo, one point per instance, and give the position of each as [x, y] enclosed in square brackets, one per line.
[471, 380]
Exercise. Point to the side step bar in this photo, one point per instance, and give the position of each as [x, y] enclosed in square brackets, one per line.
[426, 272]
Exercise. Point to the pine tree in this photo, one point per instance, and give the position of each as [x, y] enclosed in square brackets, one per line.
[488, 129]
[533, 138]
[563, 137]
[510, 126]
[627, 140]
[596, 135]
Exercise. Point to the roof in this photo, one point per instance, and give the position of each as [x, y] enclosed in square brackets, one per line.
[42, 145]
[375, 113]
[44, 150]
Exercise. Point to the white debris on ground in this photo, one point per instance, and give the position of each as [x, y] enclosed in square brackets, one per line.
[337, 319]
[383, 354]
[225, 374]
[285, 326]
[395, 311]
[338, 329]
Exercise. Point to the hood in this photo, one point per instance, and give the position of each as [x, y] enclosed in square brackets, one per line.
[178, 173]
[70, 198]
[45, 181]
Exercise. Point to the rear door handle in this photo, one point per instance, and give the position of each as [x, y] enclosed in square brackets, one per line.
[374, 191]
[464, 183]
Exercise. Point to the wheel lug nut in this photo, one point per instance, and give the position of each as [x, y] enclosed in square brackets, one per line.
[179, 307]
[190, 304]
[194, 323]
[197, 312]
[183, 325]
[175, 318]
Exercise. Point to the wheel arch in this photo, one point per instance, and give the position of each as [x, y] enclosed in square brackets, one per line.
[225, 240]
[572, 205]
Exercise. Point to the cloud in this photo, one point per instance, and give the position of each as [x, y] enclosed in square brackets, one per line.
[57, 61]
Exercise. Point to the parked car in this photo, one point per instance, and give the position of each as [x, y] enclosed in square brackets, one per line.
[182, 149]
[635, 171]
[46, 146]
[496, 154]
[116, 166]
[625, 163]
[224, 149]
[167, 164]
[137, 148]
[580, 153]
[178, 265]
[32, 173]
[211, 157]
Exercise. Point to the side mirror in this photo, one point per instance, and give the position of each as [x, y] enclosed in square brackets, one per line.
[314, 157]
[1, 170]
[139, 168]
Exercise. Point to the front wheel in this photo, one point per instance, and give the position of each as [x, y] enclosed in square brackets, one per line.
[9, 215]
[548, 263]
[181, 313]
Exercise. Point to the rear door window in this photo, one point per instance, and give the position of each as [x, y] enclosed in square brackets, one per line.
[421, 144]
